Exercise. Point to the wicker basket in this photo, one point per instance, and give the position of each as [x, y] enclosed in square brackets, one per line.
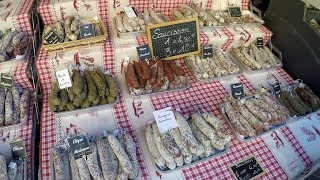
[96, 40]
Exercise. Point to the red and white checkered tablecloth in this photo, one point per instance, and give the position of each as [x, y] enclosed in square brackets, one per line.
[16, 14]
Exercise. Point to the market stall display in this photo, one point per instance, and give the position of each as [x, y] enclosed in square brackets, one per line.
[201, 137]
[252, 116]
[113, 156]
[253, 58]
[170, 153]
[154, 75]
[89, 88]
[73, 32]
[220, 65]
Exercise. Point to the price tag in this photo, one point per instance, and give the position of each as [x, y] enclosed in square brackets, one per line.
[260, 42]
[63, 79]
[6, 81]
[51, 37]
[130, 12]
[277, 89]
[18, 149]
[165, 119]
[246, 169]
[234, 11]
[79, 145]
[237, 90]
[87, 31]
[144, 52]
[207, 51]
[174, 39]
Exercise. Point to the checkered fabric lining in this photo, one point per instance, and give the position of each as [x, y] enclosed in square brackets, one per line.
[230, 38]
[45, 13]
[22, 79]
[24, 19]
[267, 32]
[208, 97]
[285, 75]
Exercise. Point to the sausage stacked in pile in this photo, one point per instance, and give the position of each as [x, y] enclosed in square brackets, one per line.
[197, 138]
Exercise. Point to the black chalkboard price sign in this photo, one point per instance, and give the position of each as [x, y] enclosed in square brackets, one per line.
[234, 11]
[174, 39]
[247, 169]
[144, 52]
[18, 149]
[260, 42]
[87, 31]
[277, 89]
[237, 90]
[207, 51]
[79, 145]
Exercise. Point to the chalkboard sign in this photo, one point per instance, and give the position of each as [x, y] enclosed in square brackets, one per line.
[144, 52]
[237, 90]
[207, 51]
[18, 149]
[87, 31]
[234, 11]
[260, 42]
[79, 145]
[6, 81]
[174, 39]
[51, 37]
[277, 89]
[247, 169]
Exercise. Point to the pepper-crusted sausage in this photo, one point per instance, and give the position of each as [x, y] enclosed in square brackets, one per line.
[16, 105]
[131, 150]
[74, 168]
[8, 109]
[92, 162]
[83, 169]
[2, 103]
[24, 104]
[121, 154]
[3, 168]
[61, 163]
[108, 160]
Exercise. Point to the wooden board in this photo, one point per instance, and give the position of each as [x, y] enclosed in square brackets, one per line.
[174, 39]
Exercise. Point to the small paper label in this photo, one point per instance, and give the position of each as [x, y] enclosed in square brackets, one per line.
[130, 12]
[277, 89]
[86, 31]
[165, 119]
[63, 79]
[207, 51]
[144, 52]
[234, 11]
[6, 81]
[18, 149]
[260, 42]
[51, 37]
[79, 145]
[237, 90]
